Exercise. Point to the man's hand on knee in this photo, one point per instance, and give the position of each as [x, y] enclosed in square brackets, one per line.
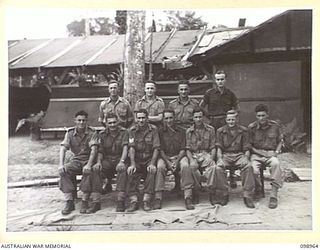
[120, 167]
[152, 169]
[131, 170]
[62, 170]
[86, 169]
[97, 167]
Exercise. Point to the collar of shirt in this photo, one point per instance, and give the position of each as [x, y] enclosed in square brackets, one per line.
[202, 126]
[225, 90]
[108, 132]
[108, 99]
[137, 128]
[186, 103]
[167, 128]
[226, 129]
[144, 98]
[76, 131]
[268, 124]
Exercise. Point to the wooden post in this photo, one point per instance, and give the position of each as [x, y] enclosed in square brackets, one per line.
[134, 65]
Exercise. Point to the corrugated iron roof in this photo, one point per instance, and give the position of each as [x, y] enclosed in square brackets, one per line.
[98, 50]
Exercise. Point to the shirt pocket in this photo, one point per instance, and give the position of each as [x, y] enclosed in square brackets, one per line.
[272, 140]
[148, 142]
[206, 141]
[122, 112]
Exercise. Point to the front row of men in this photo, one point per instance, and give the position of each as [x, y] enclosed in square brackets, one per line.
[197, 155]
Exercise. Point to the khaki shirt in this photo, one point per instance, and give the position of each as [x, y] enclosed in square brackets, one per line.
[144, 141]
[183, 111]
[111, 146]
[267, 137]
[154, 107]
[80, 144]
[172, 140]
[202, 139]
[121, 108]
[219, 103]
[239, 142]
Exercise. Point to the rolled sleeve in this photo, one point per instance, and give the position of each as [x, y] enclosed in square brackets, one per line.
[125, 138]
[94, 140]
[212, 139]
[131, 143]
[156, 140]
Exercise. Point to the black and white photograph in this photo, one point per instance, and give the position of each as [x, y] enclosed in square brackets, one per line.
[159, 119]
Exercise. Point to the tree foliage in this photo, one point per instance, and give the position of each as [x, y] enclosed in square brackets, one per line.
[121, 20]
[183, 20]
[98, 26]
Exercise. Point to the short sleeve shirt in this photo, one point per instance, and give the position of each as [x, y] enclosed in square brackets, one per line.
[267, 137]
[200, 139]
[144, 141]
[183, 111]
[154, 107]
[219, 103]
[112, 145]
[238, 142]
[172, 140]
[121, 108]
[80, 144]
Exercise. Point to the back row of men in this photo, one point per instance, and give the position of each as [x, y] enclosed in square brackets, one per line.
[154, 139]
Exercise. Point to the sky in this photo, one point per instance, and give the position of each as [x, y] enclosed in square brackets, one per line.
[37, 23]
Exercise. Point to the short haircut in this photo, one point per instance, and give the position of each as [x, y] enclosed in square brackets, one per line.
[168, 110]
[220, 71]
[111, 115]
[142, 111]
[81, 112]
[197, 110]
[113, 81]
[232, 112]
[186, 82]
[150, 81]
[261, 107]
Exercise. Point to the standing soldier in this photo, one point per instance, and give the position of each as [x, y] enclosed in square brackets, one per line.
[218, 101]
[183, 107]
[116, 104]
[172, 145]
[233, 152]
[83, 143]
[201, 152]
[112, 155]
[152, 103]
[144, 147]
[266, 140]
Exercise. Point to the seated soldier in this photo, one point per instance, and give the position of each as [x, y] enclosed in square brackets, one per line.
[83, 143]
[172, 145]
[112, 155]
[200, 146]
[233, 153]
[266, 141]
[144, 147]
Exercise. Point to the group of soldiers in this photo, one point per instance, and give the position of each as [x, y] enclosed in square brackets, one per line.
[197, 142]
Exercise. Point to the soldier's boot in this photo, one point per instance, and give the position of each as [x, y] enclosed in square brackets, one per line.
[224, 200]
[120, 206]
[84, 207]
[195, 196]
[189, 205]
[68, 208]
[213, 198]
[157, 204]
[133, 207]
[248, 202]
[273, 202]
[146, 206]
[96, 207]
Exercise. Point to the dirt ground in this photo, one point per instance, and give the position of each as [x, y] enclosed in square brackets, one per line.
[38, 208]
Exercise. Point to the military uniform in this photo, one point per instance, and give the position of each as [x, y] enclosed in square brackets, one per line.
[80, 145]
[200, 143]
[111, 147]
[218, 105]
[121, 108]
[266, 139]
[144, 141]
[172, 141]
[183, 111]
[154, 107]
[233, 147]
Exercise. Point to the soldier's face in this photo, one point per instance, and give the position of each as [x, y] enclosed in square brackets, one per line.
[198, 117]
[113, 89]
[220, 80]
[168, 118]
[231, 120]
[183, 90]
[150, 89]
[141, 119]
[80, 121]
[112, 123]
[262, 117]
